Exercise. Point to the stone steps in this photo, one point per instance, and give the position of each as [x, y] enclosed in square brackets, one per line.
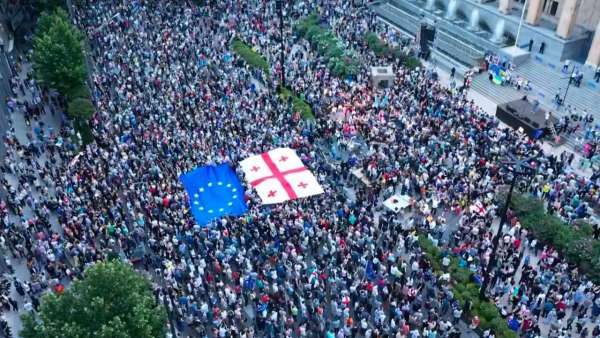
[444, 61]
[398, 18]
[503, 94]
[546, 82]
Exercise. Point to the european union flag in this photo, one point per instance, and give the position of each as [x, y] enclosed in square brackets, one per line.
[214, 192]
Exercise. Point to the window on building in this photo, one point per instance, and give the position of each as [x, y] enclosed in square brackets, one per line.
[554, 8]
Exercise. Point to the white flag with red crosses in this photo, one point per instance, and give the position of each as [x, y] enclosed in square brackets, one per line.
[279, 175]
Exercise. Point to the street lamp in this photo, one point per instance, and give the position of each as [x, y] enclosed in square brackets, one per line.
[279, 5]
[518, 167]
[562, 103]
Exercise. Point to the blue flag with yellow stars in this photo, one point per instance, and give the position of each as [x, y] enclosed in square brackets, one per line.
[214, 192]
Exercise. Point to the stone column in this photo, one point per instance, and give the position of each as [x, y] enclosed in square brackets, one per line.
[505, 6]
[594, 53]
[568, 18]
[534, 12]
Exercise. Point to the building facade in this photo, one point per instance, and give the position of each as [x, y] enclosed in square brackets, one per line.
[567, 15]
[588, 15]
[553, 30]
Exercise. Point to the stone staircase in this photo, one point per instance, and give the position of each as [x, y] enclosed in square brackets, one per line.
[503, 94]
[546, 81]
[404, 21]
[498, 94]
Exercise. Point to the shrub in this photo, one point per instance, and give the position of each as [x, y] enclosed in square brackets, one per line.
[326, 44]
[80, 109]
[464, 289]
[84, 130]
[252, 58]
[298, 104]
[379, 47]
[302, 26]
[413, 63]
[81, 91]
[574, 242]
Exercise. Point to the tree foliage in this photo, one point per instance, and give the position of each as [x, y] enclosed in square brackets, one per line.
[111, 301]
[575, 242]
[48, 19]
[341, 63]
[48, 5]
[252, 58]
[58, 59]
[298, 104]
[382, 49]
[80, 108]
[379, 47]
[465, 289]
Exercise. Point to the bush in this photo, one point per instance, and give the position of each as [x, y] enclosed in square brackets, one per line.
[81, 91]
[339, 63]
[298, 104]
[379, 47]
[413, 63]
[252, 58]
[84, 130]
[572, 241]
[464, 289]
[302, 26]
[80, 109]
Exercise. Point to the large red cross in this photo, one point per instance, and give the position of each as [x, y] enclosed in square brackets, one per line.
[278, 175]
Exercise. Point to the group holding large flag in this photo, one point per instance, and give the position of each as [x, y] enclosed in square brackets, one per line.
[277, 176]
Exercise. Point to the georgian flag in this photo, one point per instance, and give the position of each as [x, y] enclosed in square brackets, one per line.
[279, 175]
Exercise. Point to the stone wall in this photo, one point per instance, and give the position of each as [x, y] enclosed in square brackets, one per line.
[589, 14]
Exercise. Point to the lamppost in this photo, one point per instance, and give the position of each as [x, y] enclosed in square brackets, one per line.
[279, 5]
[518, 167]
[562, 103]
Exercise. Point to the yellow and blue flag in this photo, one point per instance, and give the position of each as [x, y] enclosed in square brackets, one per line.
[214, 192]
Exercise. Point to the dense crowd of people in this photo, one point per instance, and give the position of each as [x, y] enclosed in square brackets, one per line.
[171, 95]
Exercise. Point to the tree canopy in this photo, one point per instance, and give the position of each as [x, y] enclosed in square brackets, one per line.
[48, 5]
[58, 59]
[80, 108]
[111, 301]
[50, 18]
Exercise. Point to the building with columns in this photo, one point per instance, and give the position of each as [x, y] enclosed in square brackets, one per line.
[552, 30]
[566, 14]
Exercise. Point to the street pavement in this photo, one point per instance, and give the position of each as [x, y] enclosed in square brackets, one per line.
[5, 73]
[17, 121]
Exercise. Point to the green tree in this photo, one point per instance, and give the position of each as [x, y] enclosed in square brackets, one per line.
[111, 301]
[48, 5]
[58, 59]
[80, 108]
[50, 18]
